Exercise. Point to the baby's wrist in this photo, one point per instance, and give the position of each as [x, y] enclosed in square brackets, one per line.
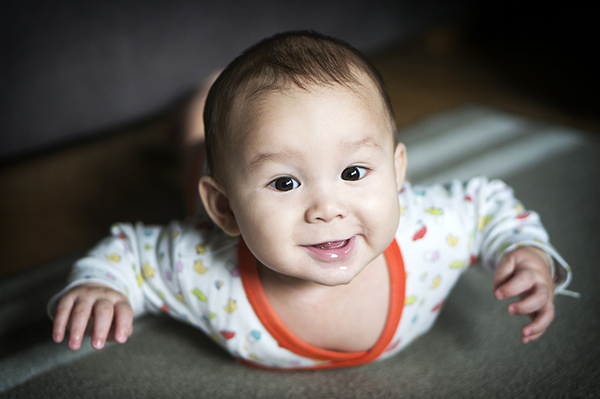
[548, 260]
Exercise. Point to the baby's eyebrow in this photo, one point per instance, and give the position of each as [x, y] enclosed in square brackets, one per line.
[367, 141]
[349, 145]
[269, 156]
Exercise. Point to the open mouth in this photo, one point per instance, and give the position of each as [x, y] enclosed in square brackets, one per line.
[332, 244]
[333, 250]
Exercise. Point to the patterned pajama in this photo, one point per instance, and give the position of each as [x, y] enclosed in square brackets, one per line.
[198, 275]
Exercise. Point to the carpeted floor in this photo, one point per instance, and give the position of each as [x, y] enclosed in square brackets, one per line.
[473, 351]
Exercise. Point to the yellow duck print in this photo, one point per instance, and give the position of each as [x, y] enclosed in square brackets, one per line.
[140, 279]
[199, 294]
[200, 249]
[458, 264]
[483, 221]
[436, 282]
[148, 271]
[410, 300]
[452, 240]
[435, 211]
[179, 297]
[199, 267]
[231, 306]
[113, 257]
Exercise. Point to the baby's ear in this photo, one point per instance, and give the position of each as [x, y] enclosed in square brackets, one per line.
[217, 206]
[400, 164]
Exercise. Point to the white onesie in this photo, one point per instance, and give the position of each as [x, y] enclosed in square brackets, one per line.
[197, 274]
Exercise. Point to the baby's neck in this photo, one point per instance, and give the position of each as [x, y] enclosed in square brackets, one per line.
[347, 317]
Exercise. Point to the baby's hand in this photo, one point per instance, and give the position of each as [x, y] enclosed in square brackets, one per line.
[526, 272]
[110, 311]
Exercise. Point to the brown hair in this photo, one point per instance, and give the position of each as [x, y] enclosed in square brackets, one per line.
[298, 58]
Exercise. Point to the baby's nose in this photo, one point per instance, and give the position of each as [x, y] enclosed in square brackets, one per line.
[326, 208]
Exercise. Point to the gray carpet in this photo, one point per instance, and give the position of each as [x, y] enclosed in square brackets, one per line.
[473, 351]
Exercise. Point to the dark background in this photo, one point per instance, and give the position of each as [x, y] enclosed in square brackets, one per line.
[73, 70]
[76, 68]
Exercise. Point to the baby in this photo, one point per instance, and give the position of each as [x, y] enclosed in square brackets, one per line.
[317, 253]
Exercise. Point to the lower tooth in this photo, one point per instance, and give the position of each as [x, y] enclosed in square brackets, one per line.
[333, 245]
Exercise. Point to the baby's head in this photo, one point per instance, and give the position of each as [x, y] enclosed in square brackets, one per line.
[302, 157]
[292, 60]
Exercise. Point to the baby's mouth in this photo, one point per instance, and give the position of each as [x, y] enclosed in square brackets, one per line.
[331, 244]
[333, 250]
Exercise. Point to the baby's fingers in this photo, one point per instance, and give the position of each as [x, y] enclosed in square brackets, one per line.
[79, 320]
[61, 318]
[540, 323]
[521, 282]
[123, 321]
[532, 302]
[505, 271]
[103, 318]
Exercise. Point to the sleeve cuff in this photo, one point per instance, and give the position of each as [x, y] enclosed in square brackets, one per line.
[560, 272]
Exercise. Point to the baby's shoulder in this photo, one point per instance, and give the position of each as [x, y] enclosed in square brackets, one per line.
[180, 239]
[433, 200]
[205, 240]
[432, 213]
[202, 254]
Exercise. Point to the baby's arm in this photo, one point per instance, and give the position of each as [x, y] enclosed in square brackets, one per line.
[514, 244]
[102, 311]
[526, 272]
[105, 290]
[138, 269]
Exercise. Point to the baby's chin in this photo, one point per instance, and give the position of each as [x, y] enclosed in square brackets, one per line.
[336, 278]
[340, 275]
[324, 279]
[335, 282]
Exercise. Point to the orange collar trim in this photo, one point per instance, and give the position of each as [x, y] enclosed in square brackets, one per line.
[274, 325]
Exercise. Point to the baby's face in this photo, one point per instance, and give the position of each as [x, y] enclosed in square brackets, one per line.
[313, 182]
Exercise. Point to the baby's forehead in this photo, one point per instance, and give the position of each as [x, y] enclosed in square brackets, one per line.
[250, 105]
[282, 117]
[248, 114]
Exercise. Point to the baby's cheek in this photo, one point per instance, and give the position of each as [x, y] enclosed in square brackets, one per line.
[385, 216]
[393, 219]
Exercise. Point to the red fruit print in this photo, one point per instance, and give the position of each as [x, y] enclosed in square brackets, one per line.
[468, 198]
[473, 258]
[420, 234]
[227, 334]
[438, 306]
[165, 309]
[122, 236]
[392, 346]
[523, 215]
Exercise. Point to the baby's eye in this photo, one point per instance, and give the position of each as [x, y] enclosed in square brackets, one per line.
[284, 183]
[354, 173]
